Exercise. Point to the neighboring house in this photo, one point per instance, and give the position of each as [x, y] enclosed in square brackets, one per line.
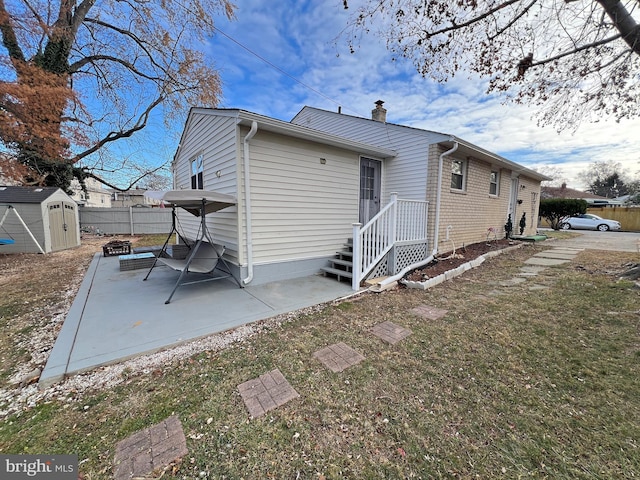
[564, 192]
[95, 196]
[631, 199]
[38, 220]
[302, 185]
[10, 170]
[132, 198]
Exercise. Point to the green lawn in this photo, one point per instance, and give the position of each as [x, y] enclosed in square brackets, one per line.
[512, 382]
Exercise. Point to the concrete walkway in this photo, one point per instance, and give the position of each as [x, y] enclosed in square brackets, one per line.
[116, 315]
[613, 241]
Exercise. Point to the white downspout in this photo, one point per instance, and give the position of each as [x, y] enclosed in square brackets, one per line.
[247, 200]
[397, 276]
[436, 233]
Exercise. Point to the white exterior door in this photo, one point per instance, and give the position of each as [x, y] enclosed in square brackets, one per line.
[513, 201]
[370, 188]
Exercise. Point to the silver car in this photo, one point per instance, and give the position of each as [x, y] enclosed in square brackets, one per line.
[588, 221]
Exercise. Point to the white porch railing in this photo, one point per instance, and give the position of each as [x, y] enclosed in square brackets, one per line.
[399, 221]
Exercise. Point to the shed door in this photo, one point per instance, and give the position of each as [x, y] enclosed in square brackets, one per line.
[370, 185]
[62, 225]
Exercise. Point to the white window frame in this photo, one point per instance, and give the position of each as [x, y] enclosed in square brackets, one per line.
[462, 174]
[494, 181]
[196, 164]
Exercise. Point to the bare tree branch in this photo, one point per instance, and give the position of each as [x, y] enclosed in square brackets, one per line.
[576, 59]
[117, 135]
[581, 48]
[132, 182]
[457, 26]
[126, 49]
[9, 39]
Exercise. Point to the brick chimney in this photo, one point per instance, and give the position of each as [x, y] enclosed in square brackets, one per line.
[379, 114]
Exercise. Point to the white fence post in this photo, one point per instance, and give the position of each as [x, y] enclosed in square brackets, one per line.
[357, 257]
[394, 218]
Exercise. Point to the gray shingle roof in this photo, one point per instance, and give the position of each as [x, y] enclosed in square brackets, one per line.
[13, 195]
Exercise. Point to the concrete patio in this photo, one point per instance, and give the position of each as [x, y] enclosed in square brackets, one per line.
[116, 315]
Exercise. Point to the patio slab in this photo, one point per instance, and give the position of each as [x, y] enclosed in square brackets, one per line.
[429, 312]
[116, 315]
[545, 262]
[153, 448]
[390, 332]
[554, 254]
[338, 357]
[267, 392]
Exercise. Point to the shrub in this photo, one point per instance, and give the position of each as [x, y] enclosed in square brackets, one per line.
[555, 209]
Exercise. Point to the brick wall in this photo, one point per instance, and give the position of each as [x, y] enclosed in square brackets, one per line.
[472, 211]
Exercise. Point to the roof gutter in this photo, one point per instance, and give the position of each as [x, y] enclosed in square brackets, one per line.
[385, 283]
[247, 200]
[503, 162]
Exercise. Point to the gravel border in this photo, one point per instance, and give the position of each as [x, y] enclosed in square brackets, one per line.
[432, 282]
[24, 397]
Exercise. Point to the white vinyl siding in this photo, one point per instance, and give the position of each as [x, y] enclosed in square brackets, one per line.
[405, 174]
[213, 137]
[301, 208]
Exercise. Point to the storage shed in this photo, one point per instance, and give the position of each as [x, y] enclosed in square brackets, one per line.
[37, 220]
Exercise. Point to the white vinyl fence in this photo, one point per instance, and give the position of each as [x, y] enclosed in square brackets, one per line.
[125, 221]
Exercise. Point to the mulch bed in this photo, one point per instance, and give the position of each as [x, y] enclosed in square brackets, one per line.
[450, 260]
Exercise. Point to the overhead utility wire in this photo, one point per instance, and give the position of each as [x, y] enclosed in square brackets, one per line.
[278, 68]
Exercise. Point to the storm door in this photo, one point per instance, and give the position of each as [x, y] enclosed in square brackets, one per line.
[370, 186]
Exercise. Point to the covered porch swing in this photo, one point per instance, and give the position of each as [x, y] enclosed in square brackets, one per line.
[205, 256]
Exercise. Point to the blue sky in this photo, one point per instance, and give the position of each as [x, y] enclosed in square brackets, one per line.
[299, 37]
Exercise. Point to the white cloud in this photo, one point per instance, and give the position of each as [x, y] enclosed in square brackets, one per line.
[298, 37]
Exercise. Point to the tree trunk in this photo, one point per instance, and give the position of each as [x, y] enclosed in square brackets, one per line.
[624, 22]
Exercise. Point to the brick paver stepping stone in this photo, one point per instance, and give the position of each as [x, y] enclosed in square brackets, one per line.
[153, 448]
[338, 357]
[390, 332]
[266, 392]
[431, 313]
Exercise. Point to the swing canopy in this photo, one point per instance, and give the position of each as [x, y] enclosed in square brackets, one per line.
[205, 257]
[193, 200]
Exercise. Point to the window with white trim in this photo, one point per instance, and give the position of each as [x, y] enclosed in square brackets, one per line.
[197, 173]
[494, 180]
[458, 174]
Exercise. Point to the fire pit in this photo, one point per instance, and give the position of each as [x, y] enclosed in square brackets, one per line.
[116, 247]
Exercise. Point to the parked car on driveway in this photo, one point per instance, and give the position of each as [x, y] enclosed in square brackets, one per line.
[588, 221]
